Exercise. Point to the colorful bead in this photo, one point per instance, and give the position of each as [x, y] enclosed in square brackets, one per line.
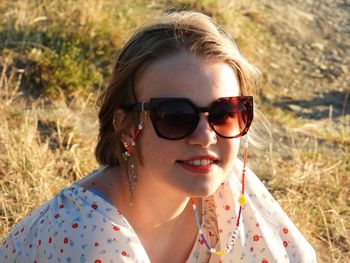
[130, 149]
[219, 252]
[242, 200]
[125, 156]
[245, 138]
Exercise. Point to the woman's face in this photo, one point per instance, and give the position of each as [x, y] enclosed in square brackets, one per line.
[172, 166]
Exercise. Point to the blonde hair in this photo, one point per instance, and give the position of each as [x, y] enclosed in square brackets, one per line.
[197, 33]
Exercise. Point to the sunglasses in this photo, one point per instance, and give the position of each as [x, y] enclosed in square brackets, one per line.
[177, 118]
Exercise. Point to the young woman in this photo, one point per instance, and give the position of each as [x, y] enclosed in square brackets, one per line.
[170, 187]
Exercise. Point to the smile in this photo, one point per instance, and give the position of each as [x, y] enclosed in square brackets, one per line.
[199, 162]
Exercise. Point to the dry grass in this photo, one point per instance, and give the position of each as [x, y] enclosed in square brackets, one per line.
[45, 145]
[42, 148]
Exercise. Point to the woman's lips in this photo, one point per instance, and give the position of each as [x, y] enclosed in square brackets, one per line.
[199, 164]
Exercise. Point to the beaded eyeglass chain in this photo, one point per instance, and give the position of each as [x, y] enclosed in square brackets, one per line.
[242, 200]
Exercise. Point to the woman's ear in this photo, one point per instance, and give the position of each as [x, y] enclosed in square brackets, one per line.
[120, 122]
[118, 119]
[123, 125]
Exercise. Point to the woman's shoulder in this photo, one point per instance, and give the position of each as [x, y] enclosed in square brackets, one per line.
[62, 225]
[264, 226]
[22, 236]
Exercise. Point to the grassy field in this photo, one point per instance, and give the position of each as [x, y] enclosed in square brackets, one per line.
[55, 58]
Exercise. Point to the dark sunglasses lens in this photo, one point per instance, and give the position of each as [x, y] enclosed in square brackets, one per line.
[174, 119]
[229, 117]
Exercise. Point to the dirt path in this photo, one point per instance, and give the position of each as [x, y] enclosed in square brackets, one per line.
[309, 60]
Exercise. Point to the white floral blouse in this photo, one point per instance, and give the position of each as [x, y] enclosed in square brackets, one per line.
[81, 225]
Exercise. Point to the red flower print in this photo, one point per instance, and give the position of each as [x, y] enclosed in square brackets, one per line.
[57, 215]
[227, 207]
[61, 206]
[251, 249]
[124, 253]
[96, 244]
[98, 261]
[257, 225]
[94, 206]
[211, 234]
[50, 240]
[14, 251]
[256, 238]
[39, 242]
[285, 243]
[201, 241]
[116, 228]
[285, 230]
[84, 190]
[75, 225]
[65, 240]
[264, 261]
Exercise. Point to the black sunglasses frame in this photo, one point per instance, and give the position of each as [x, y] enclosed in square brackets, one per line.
[154, 104]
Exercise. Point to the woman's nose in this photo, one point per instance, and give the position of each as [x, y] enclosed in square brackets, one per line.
[203, 135]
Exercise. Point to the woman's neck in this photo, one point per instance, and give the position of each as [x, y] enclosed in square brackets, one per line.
[158, 207]
[163, 220]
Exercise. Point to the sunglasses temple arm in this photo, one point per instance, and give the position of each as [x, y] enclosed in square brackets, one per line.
[144, 107]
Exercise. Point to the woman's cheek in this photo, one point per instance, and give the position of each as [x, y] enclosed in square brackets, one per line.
[231, 152]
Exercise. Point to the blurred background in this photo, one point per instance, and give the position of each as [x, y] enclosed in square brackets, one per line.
[56, 57]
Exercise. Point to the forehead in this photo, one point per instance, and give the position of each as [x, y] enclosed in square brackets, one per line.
[188, 76]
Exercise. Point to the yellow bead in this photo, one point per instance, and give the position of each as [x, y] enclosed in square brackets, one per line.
[242, 200]
[219, 253]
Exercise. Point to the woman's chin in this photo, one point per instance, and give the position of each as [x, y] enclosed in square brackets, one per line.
[203, 189]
